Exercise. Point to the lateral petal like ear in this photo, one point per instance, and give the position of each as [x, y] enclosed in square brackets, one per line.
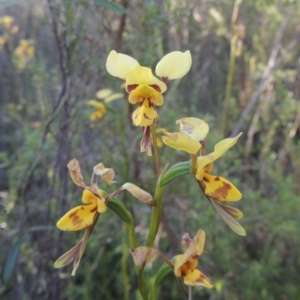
[194, 127]
[174, 65]
[220, 149]
[119, 65]
[181, 141]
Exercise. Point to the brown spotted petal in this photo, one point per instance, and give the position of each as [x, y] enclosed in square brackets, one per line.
[75, 173]
[143, 256]
[220, 189]
[78, 218]
[107, 174]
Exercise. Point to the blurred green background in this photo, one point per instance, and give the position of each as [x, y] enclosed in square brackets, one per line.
[245, 77]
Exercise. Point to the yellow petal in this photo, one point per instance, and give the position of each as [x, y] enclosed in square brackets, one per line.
[197, 278]
[220, 149]
[101, 206]
[101, 94]
[145, 115]
[78, 218]
[220, 189]
[143, 256]
[199, 240]
[195, 128]
[96, 103]
[113, 97]
[181, 141]
[142, 92]
[97, 115]
[119, 65]
[88, 197]
[143, 75]
[179, 261]
[174, 65]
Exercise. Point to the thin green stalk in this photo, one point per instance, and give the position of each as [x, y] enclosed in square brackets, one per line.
[229, 82]
[124, 263]
[156, 214]
[141, 279]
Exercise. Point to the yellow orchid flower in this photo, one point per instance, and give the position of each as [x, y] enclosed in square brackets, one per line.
[191, 139]
[144, 88]
[84, 216]
[185, 265]
[99, 113]
[217, 187]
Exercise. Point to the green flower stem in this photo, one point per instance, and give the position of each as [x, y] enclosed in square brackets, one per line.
[133, 244]
[229, 82]
[155, 148]
[124, 263]
[156, 213]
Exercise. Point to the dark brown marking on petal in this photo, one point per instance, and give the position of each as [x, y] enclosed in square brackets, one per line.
[72, 215]
[93, 210]
[146, 117]
[205, 179]
[156, 87]
[195, 256]
[183, 273]
[222, 192]
[217, 178]
[201, 278]
[82, 208]
[131, 87]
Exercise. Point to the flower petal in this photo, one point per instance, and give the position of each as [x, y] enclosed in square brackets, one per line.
[199, 240]
[106, 174]
[228, 219]
[143, 75]
[101, 206]
[145, 115]
[195, 128]
[220, 189]
[143, 256]
[174, 65]
[113, 97]
[88, 197]
[181, 141]
[138, 193]
[234, 212]
[96, 103]
[119, 65]
[197, 278]
[220, 149]
[75, 173]
[104, 93]
[78, 218]
[143, 92]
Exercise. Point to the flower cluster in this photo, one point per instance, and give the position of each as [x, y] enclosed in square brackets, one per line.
[146, 91]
